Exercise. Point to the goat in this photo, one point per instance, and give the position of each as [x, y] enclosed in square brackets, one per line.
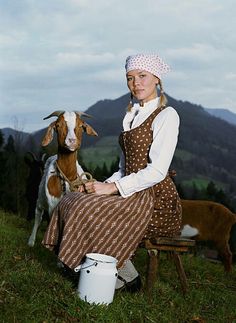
[209, 221]
[62, 172]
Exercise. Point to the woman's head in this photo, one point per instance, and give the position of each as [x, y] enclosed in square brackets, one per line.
[144, 72]
[142, 85]
[151, 63]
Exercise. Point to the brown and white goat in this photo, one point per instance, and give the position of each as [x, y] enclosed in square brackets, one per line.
[209, 221]
[62, 171]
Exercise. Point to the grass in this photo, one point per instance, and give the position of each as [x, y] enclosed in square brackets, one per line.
[106, 150]
[33, 289]
[93, 157]
[184, 154]
[201, 183]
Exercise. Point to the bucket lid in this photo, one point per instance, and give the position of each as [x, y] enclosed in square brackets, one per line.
[101, 258]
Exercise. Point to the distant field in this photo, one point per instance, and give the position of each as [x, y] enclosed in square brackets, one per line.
[105, 151]
[201, 183]
[183, 154]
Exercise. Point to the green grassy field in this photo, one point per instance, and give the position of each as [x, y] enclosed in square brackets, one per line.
[106, 150]
[183, 154]
[33, 289]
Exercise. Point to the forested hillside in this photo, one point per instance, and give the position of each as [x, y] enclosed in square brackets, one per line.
[204, 159]
[205, 152]
[223, 114]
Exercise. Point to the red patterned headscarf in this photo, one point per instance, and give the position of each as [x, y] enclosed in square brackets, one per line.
[151, 63]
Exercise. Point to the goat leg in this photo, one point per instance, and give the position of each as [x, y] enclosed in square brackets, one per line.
[37, 221]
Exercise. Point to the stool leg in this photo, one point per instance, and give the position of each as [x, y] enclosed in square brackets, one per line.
[180, 271]
[153, 258]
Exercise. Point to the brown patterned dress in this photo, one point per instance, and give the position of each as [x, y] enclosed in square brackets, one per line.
[110, 224]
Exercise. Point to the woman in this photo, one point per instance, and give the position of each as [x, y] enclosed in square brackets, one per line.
[140, 200]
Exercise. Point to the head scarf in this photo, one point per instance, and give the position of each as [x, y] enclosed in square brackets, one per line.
[151, 63]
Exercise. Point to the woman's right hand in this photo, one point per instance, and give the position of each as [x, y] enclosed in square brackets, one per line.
[89, 187]
[101, 188]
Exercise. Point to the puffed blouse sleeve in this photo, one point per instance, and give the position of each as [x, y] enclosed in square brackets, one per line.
[165, 135]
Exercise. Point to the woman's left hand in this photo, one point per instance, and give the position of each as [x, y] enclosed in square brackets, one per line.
[101, 188]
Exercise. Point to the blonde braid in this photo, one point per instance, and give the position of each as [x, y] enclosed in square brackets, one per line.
[162, 102]
[130, 105]
[163, 99]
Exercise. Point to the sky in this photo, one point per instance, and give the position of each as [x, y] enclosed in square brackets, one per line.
[69, 54]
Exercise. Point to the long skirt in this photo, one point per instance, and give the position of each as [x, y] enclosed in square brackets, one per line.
[108, 224]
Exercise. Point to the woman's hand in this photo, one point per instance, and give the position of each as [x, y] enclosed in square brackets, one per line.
[81, 189]
[101, 188]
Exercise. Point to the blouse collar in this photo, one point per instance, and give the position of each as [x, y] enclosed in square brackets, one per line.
[147, 105]
[148, 108]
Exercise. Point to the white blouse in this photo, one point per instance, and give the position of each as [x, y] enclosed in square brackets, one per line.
[165, 128]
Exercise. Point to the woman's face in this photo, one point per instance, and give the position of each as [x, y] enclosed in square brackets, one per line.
[142, 85]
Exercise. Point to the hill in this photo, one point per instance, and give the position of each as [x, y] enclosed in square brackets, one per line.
[205, 152]
[223, 114]
[23, 136]
[205, 149]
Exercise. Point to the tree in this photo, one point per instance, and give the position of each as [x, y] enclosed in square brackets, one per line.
[2, 167]
[10, 145]
[13, 179]
[8, 187]
[114, 166]
[180, 191]
[211, 190]
[97, 173]
[1, 139]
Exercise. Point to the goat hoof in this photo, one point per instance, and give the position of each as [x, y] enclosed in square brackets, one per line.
[30, 243]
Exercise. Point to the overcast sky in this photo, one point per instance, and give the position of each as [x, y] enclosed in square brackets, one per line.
[68, 54]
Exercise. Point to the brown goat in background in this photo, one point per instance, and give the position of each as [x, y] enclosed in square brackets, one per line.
[209, 221]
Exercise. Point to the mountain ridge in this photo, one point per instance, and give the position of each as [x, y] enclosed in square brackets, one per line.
[115, 108]
[223, 114]
[205, 151]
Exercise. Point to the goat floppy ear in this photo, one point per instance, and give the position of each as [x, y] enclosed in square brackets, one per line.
[89, 130]
[48, 135]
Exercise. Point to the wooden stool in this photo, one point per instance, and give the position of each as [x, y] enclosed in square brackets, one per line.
[174, 246]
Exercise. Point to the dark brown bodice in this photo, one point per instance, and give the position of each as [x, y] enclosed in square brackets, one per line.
[135, 144]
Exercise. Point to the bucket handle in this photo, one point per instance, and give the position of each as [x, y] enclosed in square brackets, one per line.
[78, 268]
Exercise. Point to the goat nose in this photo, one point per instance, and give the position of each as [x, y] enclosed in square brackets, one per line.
[72, 140]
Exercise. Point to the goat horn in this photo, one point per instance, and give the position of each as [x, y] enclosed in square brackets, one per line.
[54, 114]
[83, 114]
[44, 157]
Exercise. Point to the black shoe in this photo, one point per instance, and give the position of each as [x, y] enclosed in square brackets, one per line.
[71, 275]
[133, 286]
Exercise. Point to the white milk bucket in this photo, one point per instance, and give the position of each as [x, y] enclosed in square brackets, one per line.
[97, 279]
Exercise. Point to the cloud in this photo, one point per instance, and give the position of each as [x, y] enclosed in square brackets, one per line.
[201, 53]
[82, 60]
[231, 76]
[72, 52]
